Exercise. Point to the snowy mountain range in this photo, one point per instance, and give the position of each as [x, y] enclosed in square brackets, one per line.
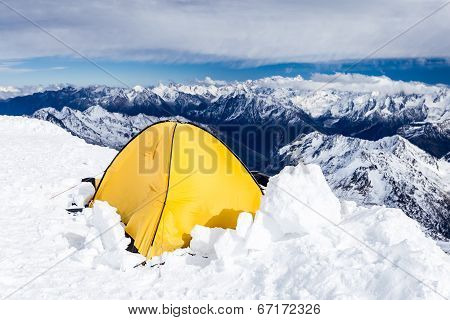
[390, 171]
[351, 125]
[96, 125]
[358, 106]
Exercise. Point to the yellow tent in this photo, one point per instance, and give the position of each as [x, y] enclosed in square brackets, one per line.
[171, 177]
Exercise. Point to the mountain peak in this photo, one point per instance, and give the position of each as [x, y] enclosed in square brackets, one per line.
[138, 88]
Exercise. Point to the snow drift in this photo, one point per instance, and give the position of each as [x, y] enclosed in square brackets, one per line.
[306, 244]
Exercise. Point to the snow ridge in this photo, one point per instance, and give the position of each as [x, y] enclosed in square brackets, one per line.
[98, 126]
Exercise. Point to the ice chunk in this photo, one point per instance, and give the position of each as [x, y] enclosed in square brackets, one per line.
[83, 194]
[263, 231]
[229, 245]
[244, 223]
[106, 221]
[300, 200]
[105, 241]
[203, 239]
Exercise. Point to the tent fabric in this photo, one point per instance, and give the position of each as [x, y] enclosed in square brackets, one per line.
[171, 177]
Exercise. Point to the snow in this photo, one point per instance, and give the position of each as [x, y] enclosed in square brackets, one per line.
[351, 82]
[389, 171]
[444, 245]
[203, 239]
[361, 100]
[301, 216]
[264, 231]
[105, 243]
[138, 88]
[349, 94]
[99, 126]
[208, 89]
[83, 195]
[287, 251]
[229, 246]
[244, 222]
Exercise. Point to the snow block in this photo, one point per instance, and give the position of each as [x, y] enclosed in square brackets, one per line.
[83, 194]
[203, 239]
[244, 222]
[229, 245]
[300, 200]
[106, 220]
[263, 231]
[106, 242]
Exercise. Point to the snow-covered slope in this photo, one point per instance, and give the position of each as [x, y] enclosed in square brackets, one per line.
[431, 136]
[97, 126]
[303, 244]
[390, 171]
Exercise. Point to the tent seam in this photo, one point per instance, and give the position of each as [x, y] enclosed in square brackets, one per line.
[167, 191]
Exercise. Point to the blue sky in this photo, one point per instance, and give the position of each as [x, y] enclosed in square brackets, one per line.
[145, 42]
[81, 72]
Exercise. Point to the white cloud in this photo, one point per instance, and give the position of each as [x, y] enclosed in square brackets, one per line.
[16, 67]
[211, 82]
[12, 67]
[351, 82]
[258, 32]
[7, 92]
[58, 68]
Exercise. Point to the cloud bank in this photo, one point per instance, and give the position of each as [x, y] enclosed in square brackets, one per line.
[351, 82]
[258, 32]
[7, 92]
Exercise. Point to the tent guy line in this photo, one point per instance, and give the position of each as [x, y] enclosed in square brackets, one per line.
[72, 187]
